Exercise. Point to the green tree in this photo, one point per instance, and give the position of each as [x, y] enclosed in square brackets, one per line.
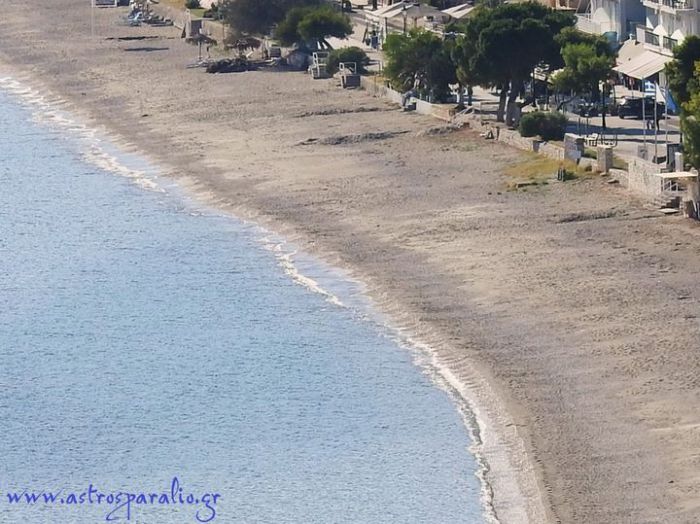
[419, 60]
[347, 54]
[257, 16]
[684, 82]
[571, 35]
[500, 47]
[311, 26]
[584, 70]
[681, 72]
[690, 125]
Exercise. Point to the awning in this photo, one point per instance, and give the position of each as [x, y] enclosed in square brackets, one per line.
[676, 175]
[643, 66]
[379, 13]
[460, 11]
[630, 49]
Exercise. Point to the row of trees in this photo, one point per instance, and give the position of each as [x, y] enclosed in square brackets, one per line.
[499, 48]
[307, 23]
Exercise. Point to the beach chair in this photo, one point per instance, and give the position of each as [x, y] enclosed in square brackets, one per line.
[136, 21]
[133, 19]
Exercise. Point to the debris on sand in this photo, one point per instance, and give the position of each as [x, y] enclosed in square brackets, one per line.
[338, 140]
[440, 130]
[230, 65]
[339, 111]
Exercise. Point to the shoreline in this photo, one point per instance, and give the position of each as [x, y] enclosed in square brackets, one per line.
[475, 401]
[561, 312]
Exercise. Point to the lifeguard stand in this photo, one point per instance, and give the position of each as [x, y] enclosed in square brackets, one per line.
[319, 67]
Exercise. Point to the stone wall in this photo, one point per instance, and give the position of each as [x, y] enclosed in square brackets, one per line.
[379, 89]
[641, 179]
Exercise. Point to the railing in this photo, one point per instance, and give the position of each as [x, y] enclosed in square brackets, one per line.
[669, 43]
[651, 38]
[676, 4]
[673, 4]
[586, 25]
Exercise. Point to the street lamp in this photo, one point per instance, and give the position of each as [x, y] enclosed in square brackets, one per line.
[405, 16]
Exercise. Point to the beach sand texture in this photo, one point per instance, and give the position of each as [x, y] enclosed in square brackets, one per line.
[568, 312]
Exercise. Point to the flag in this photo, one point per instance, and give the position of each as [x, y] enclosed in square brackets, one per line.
[650, 88]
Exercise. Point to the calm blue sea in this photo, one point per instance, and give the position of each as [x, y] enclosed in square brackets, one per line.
[144, 338]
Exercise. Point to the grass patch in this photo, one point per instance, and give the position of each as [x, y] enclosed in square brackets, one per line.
[618, 163]
[180, 4]
[535, 170]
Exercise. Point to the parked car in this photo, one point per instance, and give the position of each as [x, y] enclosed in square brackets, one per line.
[587, 109]
[632, 107]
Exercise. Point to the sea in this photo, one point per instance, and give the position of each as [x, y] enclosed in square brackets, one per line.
[161, 362]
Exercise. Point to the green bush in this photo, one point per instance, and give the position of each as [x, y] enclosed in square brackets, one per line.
[546, 125]
[212, 12]
[193, 4]
[347, 54]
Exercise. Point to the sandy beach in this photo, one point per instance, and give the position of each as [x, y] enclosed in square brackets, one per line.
[566, 315]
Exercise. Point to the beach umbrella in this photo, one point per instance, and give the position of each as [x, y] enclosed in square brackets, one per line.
[200, 39]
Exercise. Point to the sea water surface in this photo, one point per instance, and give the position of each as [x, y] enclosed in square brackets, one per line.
[144, 338]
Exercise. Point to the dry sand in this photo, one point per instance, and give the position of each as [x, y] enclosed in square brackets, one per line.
[568, 313]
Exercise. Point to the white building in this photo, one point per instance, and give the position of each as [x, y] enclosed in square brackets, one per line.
[668, 22]
[614, 18]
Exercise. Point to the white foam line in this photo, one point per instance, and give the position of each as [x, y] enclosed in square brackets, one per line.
[487, 445]
[47, 111]
[285, 258]
[426, 359]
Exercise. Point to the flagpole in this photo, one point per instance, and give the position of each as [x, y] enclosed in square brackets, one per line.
[644, 116]
[656, 125]
[92, 18]
[666, 115]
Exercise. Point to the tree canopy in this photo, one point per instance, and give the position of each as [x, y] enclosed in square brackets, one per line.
[257, 16]
[684, 82]
[571, 35]
[419, 59]
[500, 47]
[690, 125]
[681, 72]
[584, 69]
[312, 25]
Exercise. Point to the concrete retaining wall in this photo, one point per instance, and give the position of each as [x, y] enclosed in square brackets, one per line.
[640, 177]
[379, 89]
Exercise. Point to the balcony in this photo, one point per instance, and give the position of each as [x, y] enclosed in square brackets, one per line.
[651, 39]
[585, 24]
[669, 43]
[660, 44]
[669, 6]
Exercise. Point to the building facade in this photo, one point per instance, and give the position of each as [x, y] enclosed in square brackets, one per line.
[667, 23]
[616, 19]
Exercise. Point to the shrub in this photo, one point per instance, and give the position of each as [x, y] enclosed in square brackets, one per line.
[347, 54]
[192, 4]
[548, 125]
[212, 12]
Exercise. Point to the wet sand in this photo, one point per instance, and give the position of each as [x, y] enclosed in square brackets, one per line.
[565, 314]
